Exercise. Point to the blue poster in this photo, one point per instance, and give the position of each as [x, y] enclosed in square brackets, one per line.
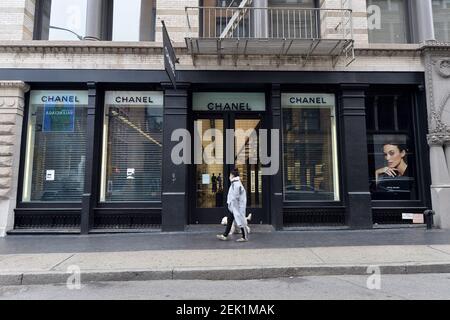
[59, 118]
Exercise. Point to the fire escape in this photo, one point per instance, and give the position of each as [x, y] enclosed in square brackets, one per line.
[244, 29]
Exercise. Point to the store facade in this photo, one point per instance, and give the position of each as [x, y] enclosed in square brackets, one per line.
[315, 148]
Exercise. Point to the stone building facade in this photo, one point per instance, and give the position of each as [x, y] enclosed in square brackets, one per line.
[419, 66]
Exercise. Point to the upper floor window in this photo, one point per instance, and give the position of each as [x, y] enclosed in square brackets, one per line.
[388, 21]
[62, 19]
[134, 20]
[441, 15]
[117, 20]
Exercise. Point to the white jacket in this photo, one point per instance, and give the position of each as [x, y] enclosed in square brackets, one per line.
[237, 202]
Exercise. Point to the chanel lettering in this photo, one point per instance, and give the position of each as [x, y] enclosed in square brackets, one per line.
[145, 100]
[307, 100]
[241, 106]
[60, 99]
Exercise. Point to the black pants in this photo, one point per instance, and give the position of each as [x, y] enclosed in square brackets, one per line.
[230, 218]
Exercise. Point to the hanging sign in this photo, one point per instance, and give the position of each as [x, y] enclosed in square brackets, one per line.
[170, 59]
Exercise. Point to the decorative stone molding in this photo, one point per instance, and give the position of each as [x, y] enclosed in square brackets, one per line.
[433, 45]
[12, 95]
[439, 138]
[14, 85]
[11, 117]
[443, 67]
[437, 72]
[155, 48]
[85, 47]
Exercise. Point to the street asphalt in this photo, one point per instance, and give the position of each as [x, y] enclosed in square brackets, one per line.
[391, 287]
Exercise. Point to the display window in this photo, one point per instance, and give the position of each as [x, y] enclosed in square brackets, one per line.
[392, 156]
[132, 147]
[310, 147]
[56, 146]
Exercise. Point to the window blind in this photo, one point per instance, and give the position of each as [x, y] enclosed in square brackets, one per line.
[134, 153]
[59, 157]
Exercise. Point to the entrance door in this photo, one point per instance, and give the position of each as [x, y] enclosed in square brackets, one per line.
[211, 179]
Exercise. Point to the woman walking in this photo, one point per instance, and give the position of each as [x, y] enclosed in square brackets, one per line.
[237, 203]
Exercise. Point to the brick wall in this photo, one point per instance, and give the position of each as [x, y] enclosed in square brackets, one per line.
[16, 19]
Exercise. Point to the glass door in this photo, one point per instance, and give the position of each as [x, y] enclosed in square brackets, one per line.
[247, 159]
[210, 178]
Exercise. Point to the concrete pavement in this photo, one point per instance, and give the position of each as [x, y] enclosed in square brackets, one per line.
[199, 256]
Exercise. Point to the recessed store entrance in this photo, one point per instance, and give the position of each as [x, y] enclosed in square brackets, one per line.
[210, 181]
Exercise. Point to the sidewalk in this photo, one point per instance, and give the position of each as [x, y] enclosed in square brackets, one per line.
[198, 255]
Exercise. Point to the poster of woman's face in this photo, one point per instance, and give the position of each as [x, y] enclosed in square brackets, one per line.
[396, 162]
[392, 173]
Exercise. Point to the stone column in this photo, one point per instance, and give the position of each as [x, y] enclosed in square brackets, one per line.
[423, 20]
[260, 19]
[146, 32]
[94, 21]
[440, 177]
[436, 58]
[11, 118]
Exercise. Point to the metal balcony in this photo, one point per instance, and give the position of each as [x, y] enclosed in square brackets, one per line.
[247, 30]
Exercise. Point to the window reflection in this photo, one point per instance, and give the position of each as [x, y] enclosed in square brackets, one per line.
[134, 20]
[56, 146]
[441, 15]
[132, 152]
[309, 152]
[63, 19]
[393, 26]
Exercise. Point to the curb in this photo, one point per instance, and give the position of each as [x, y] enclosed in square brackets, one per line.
[216, 273]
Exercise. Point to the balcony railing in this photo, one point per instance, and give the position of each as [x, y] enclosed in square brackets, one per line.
[246, 30]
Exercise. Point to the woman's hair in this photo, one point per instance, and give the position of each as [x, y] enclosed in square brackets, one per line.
[235, 172]
[401, 146]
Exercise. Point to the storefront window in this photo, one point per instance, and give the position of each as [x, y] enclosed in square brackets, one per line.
[441, 15]
[132, 146]
[63, 19]
[309, 147]
[56, 146]
[392, 158]
[387, 21]
[134, 20]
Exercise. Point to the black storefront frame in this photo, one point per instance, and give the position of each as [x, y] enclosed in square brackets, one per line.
[389, 211]
[309, 204]
[109, 215]
[306, 213]
[112, 79]
[48, 214]
[229, 123]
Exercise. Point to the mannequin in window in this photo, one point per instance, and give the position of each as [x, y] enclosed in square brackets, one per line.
[214, 183]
